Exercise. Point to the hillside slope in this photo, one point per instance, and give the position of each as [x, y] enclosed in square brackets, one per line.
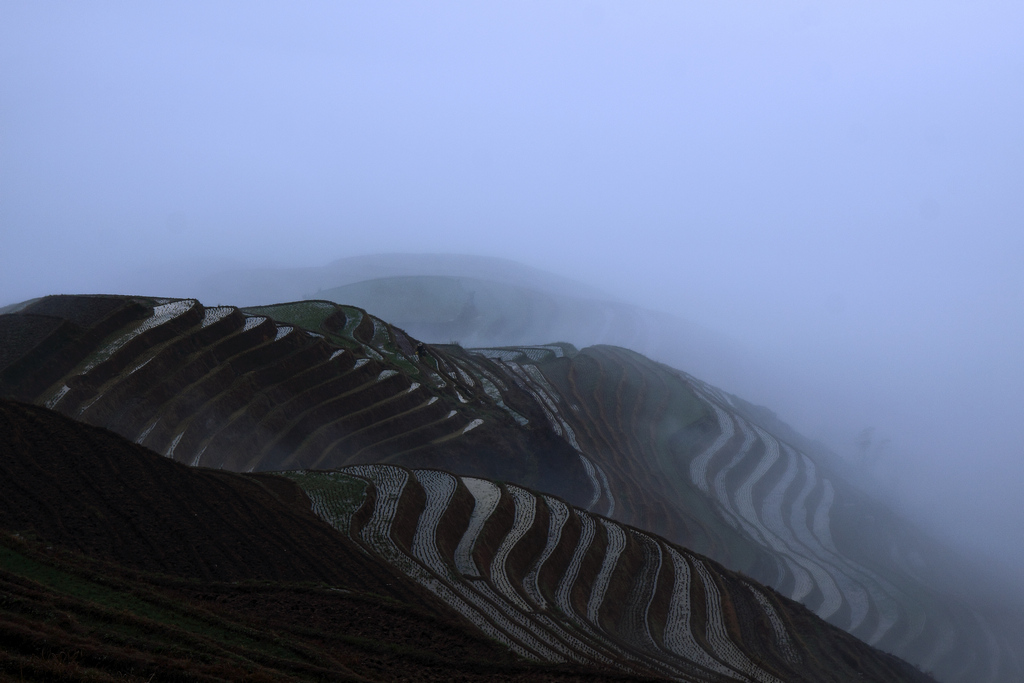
[682, 461]
[317, 385]
[117, 564]
[574, 593]
[556, 583]
[232, 388]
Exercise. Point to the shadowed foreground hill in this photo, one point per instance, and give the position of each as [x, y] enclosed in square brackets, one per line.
[243, 580]
[117, 564]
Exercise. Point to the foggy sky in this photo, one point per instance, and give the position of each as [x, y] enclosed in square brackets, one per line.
[839, 187]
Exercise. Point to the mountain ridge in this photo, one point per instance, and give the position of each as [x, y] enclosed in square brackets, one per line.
[603, 428]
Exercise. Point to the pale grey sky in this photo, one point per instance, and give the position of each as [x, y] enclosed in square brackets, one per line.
[839, 186]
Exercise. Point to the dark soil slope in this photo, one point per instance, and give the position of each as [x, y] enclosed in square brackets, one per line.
[87, 489]
[241, 581]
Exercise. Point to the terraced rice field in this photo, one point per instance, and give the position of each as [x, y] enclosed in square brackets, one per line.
[555, 583]
[305, 384]
[612, 438]
[752, 502]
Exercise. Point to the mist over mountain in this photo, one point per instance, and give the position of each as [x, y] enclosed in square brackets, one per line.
[488, 301]
[816, 208]
[434, 296]
[476, 301]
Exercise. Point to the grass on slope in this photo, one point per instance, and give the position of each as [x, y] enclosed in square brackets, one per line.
[307, 314]
[311, 315]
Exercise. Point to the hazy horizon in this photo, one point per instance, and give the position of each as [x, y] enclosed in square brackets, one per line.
[837, 188]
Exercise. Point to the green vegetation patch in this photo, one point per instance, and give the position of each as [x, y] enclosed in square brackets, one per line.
[336, 496]
[306, 314]
[409, 298]
[353, 316]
